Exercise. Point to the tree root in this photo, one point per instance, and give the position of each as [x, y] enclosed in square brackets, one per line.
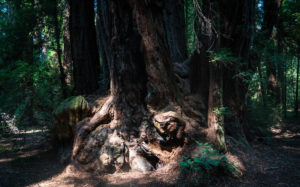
[103, 144]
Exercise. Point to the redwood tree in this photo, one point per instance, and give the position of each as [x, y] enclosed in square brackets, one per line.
[86, 65]
[151, 111]
[142, 122]
[103, 37]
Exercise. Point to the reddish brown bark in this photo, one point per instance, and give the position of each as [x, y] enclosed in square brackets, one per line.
[237, 19]
[174, 23]
[142, 121]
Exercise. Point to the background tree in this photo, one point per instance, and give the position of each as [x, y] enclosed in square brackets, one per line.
[86, 65]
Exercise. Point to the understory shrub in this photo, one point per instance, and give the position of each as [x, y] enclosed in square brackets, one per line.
[261, 118]
[207, 161]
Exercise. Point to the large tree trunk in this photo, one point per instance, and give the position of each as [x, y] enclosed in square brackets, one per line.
[233, 30]
[141, 123]
[208, 40]
[199, 78]
[175, 28]
[237, 20]
[86, 65]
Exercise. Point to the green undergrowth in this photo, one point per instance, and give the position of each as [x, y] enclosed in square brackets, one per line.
[4, 149]
[207, 162]
[262, 118]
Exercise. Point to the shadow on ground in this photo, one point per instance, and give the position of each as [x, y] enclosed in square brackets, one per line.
[27, 158]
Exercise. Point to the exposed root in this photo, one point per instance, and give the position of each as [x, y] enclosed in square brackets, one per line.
[104, 144]
[89, 124]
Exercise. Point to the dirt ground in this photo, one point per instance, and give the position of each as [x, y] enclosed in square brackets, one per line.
[27, 159]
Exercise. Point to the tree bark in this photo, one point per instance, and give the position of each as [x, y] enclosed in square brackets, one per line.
[216, 134]
[103, 38]
[297, 88]
[271, 13]
[67, 63]
[142, 121]
[271, 10]
[237, 20]
[86, 65]
[58, 51]
[174, 23]
[208, 40]
[262, 85]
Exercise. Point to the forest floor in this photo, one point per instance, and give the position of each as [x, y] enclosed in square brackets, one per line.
[27, 159]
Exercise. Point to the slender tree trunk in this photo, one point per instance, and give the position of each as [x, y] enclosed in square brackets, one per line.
[262, 85]
[67, 63]
[297, 88]
[32, 43]
[86, 65]
[271, 13]
[281, 67]
[208, 41]
[103, 38]
[284, 90]
[216, 133]
[273, 77]
[58, 51]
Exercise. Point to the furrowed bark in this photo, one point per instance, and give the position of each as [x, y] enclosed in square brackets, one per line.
[142, 123]
[86, 66]
[173, 14]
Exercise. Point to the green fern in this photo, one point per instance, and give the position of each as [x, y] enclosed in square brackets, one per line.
[207, 160]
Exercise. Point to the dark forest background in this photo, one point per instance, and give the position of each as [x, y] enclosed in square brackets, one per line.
[38, 69]
[181, 68]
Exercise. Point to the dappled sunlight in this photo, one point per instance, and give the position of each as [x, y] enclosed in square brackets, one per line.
[236, 161]
[149, 93]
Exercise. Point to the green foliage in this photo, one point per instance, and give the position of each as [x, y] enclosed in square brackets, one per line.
[207, 161]
[245, 76]
[71, 103]
[223, 56]
[222, 111]
[190, 23]
[29, 74]
[263, 118]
